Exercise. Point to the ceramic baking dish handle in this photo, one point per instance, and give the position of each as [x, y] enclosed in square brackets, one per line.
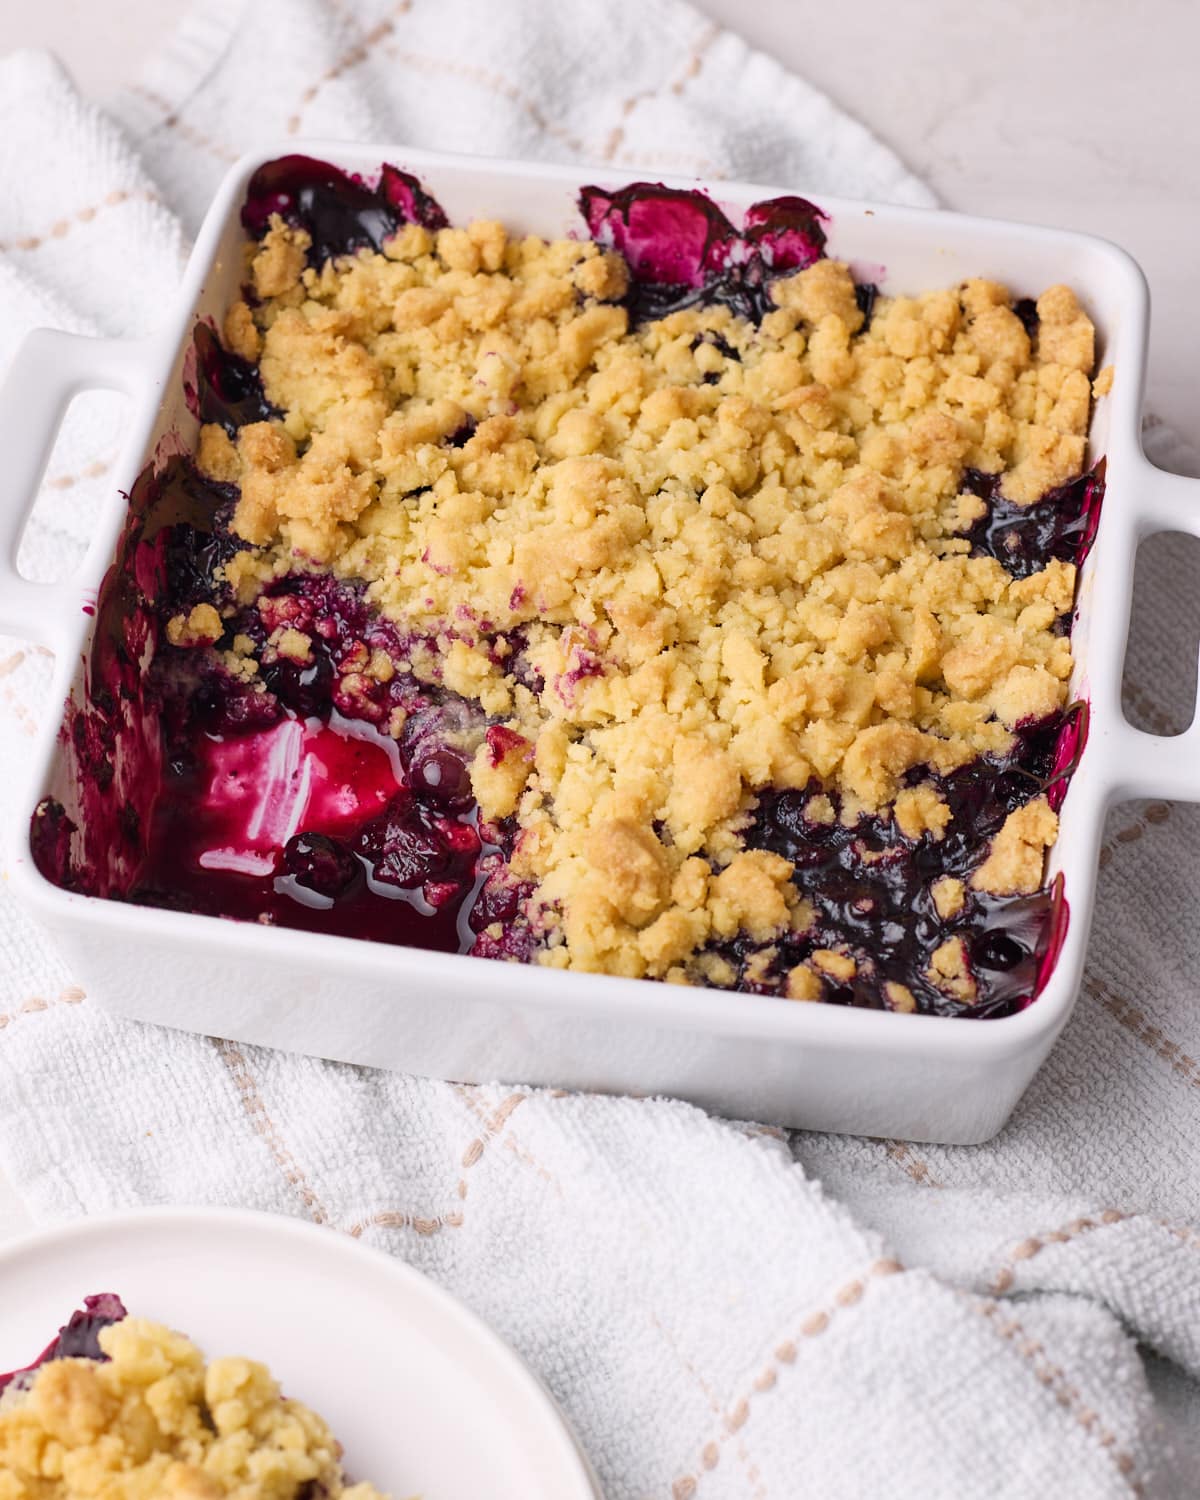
[1154, 765]
[49, 369]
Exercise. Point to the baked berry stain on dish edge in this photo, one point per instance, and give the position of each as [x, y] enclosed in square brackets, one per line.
[392, 846]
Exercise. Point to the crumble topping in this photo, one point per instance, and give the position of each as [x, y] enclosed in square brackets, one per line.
[202, 626]
[1014, 864]
[679, 562]
[950, 970]
[155, 1421]
[949, 896]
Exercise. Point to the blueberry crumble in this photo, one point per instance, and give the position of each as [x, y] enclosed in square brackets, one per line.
[126, 1409]
[658, 602]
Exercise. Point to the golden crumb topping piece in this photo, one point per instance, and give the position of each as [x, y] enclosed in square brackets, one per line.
[899, 996]
[949, 896]
[1018, 854]
[154, 1423]
[839, 967]
[241, 332]
[950, 971]
[803, 983]
[728, 556]
[279, 261]
[200, 627]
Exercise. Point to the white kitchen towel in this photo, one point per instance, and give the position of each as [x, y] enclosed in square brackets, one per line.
[724, 1311]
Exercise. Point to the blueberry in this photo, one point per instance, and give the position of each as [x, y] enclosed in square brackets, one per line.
[305, 688]
[406, 850]
[498, 900]
[996, 950]
[375, 836]
[441, 775]
[321, 864]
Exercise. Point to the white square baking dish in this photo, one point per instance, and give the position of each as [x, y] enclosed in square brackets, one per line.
[826, 1067]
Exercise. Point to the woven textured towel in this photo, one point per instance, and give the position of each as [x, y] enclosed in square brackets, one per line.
[722, 1311]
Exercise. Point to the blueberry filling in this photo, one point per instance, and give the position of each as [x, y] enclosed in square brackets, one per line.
[723, 347]
[865, 294]
[342, 213]
[1026, 309]
[50, 836]
[224, 388]
[682, 250]
[78, 1338]
[365, 823]
[1023, 538]
[393, 848]
[318, 863]
[870, 885]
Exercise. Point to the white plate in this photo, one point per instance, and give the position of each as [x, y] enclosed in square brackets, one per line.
[425, 1398]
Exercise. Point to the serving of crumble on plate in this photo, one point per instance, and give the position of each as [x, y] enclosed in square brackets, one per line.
[333, 1342]
[127, 1409]
[659, 601]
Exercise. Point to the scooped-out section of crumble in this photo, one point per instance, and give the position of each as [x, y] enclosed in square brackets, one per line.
[132, 1410]
[662, 603]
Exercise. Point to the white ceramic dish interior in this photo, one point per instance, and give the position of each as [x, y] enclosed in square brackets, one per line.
[425, 1399]
[822, 1067]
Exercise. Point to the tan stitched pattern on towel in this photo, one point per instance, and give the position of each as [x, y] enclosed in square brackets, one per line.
[812, 1326]
[256, 1112]
[1055, 1380]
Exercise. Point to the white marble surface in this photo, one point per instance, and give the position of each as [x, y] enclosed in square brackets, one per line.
[1079, 114]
